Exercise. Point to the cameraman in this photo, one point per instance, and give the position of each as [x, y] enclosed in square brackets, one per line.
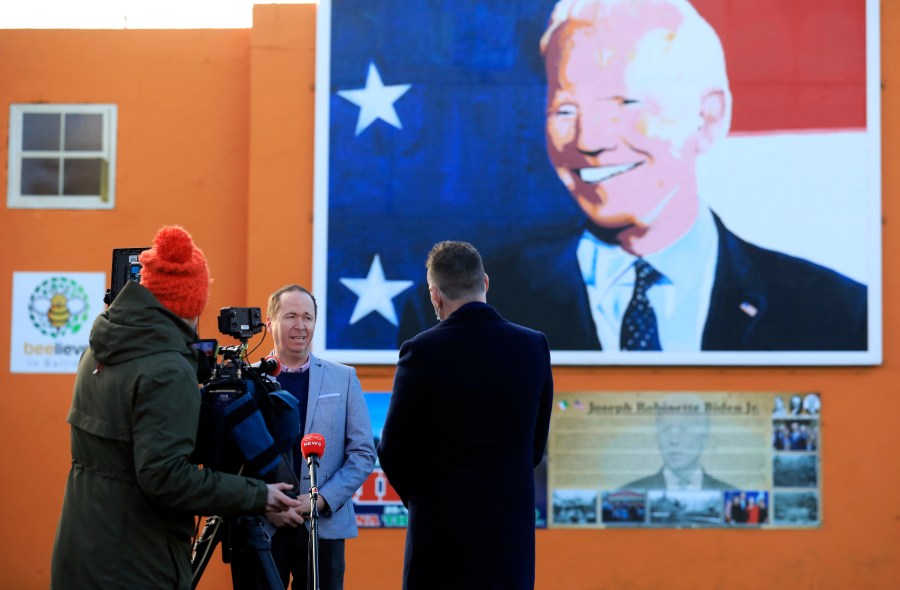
[132, 493]
[331, 403]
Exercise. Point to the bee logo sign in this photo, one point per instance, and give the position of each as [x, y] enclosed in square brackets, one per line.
[51, 318]
[58, 306]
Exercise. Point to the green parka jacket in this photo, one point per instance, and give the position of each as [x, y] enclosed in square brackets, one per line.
[132, 492]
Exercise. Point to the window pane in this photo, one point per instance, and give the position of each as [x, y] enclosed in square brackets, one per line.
[84, 132]
[40, 176]
[82, 176]
[41, 131]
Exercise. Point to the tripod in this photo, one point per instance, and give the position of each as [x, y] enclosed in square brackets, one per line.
[245, 544]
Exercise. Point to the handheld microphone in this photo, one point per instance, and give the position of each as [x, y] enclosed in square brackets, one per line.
[313, 446]
[270, 366]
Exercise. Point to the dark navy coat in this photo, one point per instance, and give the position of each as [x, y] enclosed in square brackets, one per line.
[466, 425]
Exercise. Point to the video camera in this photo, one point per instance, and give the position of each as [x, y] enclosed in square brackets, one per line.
[247, 426]
[247, 422]
[240, 323]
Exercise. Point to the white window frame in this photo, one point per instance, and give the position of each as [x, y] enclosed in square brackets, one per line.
[105, 200]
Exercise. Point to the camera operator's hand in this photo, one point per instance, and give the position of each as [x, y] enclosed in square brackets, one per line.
[290, 518]
[277, 500]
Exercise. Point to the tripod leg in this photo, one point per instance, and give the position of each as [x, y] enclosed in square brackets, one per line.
[255, 555]
[204, 547]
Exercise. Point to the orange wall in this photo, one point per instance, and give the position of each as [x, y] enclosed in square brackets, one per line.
[216, 133]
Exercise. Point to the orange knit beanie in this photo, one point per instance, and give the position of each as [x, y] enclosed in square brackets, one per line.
[175, 271]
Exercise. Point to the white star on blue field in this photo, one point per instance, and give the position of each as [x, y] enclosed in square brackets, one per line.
[375, 101]
[375, 293]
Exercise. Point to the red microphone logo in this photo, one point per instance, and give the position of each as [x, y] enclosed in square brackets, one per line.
[312, 445]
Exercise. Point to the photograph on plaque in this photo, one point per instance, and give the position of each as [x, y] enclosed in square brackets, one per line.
[684, 460]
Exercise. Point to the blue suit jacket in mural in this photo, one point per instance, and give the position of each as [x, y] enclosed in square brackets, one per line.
[801, 306]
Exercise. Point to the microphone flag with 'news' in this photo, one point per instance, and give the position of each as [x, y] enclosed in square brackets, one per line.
[312, 445]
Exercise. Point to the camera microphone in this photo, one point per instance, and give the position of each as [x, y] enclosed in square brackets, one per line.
[270, 366]
[313, 446]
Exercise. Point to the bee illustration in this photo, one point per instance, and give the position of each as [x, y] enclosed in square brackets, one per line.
[58, 308]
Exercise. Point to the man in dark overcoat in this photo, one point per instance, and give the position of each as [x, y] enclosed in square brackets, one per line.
[467, 424]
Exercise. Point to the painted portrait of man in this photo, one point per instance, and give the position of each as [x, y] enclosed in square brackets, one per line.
[579, 146]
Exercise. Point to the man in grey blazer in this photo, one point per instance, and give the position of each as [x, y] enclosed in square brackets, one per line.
[331, 403]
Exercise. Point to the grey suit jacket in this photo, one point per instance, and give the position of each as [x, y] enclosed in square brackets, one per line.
[337, 410]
